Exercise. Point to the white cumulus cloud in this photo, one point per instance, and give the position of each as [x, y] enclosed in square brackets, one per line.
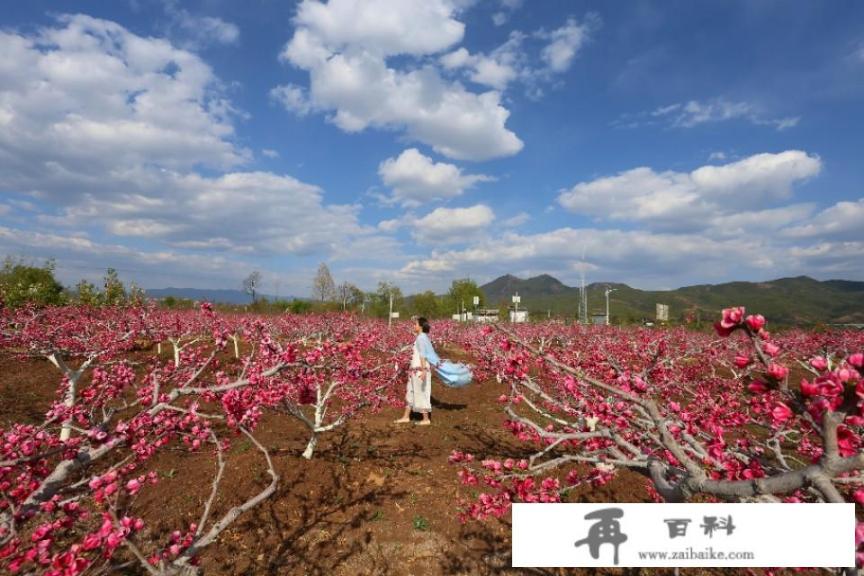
[416, 179]
[345, 47]
[843, 220]
[452, 225]
[686, 199]
[103, 129]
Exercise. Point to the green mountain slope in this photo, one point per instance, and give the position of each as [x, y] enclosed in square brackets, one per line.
[800, 300]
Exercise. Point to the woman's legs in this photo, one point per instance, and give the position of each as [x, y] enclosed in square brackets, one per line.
[406, 417]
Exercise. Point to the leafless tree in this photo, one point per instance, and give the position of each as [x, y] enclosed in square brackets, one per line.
[323, 287]
[251, 284]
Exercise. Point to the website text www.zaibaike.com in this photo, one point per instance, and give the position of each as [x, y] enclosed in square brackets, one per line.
[691, 553]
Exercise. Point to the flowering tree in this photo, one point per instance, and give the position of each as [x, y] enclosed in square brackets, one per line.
[67, 501]
[73, 339]
[700, 417]
[348, 367]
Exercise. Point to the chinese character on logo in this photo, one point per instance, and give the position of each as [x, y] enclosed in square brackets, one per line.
[606, 530]
[713, 523]
[677, 526]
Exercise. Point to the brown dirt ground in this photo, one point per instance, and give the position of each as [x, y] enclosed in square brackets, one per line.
[352, 509]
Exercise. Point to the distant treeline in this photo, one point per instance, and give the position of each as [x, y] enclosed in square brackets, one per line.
[24, 282]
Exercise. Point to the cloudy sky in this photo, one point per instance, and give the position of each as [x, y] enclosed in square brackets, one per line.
[656, 143]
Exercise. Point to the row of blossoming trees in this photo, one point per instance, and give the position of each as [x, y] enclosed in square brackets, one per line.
[740, 415]
[69, 484]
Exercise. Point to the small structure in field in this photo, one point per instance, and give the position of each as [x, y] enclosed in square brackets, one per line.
[486, 315]
[518, 316]
[662, 313]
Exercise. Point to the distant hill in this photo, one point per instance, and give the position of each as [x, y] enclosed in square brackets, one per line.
[799, 300]
[220, 296]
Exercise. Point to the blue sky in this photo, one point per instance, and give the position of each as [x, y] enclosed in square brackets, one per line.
[659, 144]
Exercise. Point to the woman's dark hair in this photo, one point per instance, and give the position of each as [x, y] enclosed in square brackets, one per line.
[424, 324]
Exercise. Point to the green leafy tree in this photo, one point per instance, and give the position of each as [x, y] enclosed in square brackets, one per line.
[86, 293]
[21, 283]
[426, 304]
[137, 295]
[113, 293]
[379, 301]
[462, 293]
[299, 306]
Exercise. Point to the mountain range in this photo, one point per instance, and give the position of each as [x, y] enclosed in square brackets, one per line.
[798, 300]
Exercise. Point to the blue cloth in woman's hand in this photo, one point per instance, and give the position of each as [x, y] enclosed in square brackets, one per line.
[454, 374]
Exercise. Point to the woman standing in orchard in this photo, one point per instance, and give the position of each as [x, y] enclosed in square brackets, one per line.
[418, 396]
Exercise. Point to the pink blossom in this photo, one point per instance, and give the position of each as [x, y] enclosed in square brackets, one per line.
[819, 363]
[758, 387]
[857, 360]
[723, 331]
[114, 539]
[778, 371]
[91, 542]
[755, 322]
[846, 374]
[808, 389]
[781, 413]
[847, 441]
[732, 317]
[771, 349]
[742, 361]
[133, 486]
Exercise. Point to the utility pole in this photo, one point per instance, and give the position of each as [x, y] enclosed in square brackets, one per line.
[608, 291]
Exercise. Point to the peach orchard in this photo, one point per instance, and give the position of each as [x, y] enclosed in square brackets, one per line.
[739, 414]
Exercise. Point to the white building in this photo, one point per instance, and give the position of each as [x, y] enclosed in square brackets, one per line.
[518, 316]
[487, 315]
